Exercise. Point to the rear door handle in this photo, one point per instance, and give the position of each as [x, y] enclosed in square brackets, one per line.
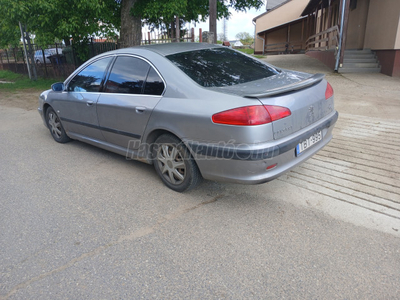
[89, 103]
[140, 109]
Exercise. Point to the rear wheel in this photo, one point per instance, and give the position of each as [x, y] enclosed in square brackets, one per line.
[174, 164]
[56, 129]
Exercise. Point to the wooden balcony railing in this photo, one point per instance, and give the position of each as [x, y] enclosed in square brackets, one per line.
[283, 47]
[324, 40]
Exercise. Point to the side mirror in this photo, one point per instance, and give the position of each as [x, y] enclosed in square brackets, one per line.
[57, 87]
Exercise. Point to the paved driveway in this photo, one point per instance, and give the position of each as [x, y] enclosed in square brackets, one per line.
[358, 174]
[78, 222]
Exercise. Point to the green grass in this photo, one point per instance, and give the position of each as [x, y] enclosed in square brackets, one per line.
[247, 50]
[250, 51]
[21, 82]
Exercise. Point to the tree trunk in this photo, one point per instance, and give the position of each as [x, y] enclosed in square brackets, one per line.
[213, 21]
[131, 27]
[172, 29]
[178, 30]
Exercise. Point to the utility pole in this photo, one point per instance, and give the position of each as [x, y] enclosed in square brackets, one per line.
[225, 30]
[26, 55]
[213, 21]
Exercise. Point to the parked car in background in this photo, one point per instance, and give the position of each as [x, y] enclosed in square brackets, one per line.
[194, 111]
[47, 53]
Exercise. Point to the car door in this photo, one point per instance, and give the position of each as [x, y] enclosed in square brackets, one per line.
[77, 105]
[129, 96]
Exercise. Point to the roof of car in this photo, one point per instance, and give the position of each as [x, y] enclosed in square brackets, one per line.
[173, 48]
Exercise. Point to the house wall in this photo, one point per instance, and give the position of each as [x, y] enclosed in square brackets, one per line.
[389, 61]
[295, 33]
[286, 13]
[327, 57]
[357, 25]
[276, 36]
[382, 32]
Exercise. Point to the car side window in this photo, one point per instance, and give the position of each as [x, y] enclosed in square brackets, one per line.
[127, 76]
[154, 84]
[89, 79]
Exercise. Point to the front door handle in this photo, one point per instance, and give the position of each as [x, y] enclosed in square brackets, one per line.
[89, 103]
[140, 109]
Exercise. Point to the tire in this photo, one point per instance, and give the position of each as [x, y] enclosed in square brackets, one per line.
[174, 164]
[56, 129]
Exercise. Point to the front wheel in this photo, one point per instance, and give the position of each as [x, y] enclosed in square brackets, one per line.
[174, 164]
[56, 129]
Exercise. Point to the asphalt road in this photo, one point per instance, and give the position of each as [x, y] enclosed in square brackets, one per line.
[78, 222]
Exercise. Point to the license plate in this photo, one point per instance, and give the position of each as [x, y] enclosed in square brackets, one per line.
[312, 140]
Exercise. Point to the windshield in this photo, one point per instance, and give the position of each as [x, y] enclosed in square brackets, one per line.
[220, 67]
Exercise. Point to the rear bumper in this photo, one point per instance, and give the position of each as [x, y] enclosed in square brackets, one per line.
[248, 164]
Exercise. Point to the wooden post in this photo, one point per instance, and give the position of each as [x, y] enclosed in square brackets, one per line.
[316, 20]
[344, 37]
[330, 14]
[302, 33]
[329, 25]
[149, 37]
[340, 12]
[200, 35]
[213, 20]
[192, 34]
[44, 63]
[320, 24]
[265, 43]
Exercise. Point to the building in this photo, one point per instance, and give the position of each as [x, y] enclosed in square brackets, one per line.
[347, 35]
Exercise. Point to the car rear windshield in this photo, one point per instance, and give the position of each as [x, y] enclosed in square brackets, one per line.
[220, 67]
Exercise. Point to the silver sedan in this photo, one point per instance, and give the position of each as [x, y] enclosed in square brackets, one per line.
[194, 111]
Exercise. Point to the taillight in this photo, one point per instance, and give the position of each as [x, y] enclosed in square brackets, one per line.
[251, 115]
[328, 92]
[277, 112]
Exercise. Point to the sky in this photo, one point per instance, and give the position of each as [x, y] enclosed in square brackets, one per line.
[238, 22]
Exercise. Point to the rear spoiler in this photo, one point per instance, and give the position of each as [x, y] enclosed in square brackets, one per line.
[290, 87]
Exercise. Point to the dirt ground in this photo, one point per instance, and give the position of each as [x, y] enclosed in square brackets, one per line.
[25, 99]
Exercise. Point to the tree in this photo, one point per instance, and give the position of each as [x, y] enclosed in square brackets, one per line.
[163, 13]
[221, 37]
[245, 38]
[80, 19]
[58, 19]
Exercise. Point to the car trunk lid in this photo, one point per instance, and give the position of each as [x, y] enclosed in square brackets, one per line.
[302, 93]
